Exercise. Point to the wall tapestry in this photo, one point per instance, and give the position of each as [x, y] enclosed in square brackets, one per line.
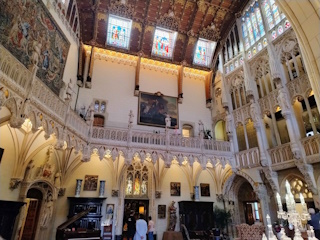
[30, 33]
[154, 108]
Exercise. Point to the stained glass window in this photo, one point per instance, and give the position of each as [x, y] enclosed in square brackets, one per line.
[163, 42]
[268, 14]
[275, 11]
[250, 31]
[203, 53]
[259, 19]
[256, 33]
[137, 180]
[245, 34]
[119, 30]
[287, 24]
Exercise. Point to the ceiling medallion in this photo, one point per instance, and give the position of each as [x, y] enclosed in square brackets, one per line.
[168, 20]
[122, 9]
[210, 33]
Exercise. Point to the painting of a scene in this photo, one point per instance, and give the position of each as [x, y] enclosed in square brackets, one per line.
[90, 183]
[29, 32]
[155, 108]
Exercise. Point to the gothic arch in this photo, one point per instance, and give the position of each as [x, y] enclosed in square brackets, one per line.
[299, 24]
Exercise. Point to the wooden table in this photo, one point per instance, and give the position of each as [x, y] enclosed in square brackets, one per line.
[172, 235]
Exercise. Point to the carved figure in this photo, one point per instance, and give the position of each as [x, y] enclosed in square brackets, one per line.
[57, 179]
[173, 217]
[28, 172]
[131, 116]
[283, 99]
[168, 121]
[47, 212]
[254, 111]
[229, 125]
[69, 90]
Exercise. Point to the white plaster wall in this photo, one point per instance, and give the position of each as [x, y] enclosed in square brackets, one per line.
[115, 84]
[6, 165]
[174, 174]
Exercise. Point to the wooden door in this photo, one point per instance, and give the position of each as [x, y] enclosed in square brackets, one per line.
[30, 225]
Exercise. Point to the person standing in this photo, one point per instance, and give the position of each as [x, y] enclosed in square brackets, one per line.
[315, 221]
[131, 221]
[141, 229]
[150, 228]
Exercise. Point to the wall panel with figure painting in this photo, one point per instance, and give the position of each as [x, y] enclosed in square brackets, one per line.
[30, 33]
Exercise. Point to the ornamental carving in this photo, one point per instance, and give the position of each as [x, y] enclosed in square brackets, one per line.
[168, 20]
[211, 33]
[123, 10]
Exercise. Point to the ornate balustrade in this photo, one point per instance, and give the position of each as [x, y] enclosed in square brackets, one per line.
[240, 115]
[158, 141]
[248, 158]
[299, 86]
[20, 80]
[281, 154]
[311, 145]
[269, 102]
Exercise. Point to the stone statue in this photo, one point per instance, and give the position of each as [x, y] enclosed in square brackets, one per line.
[69, 90]
[47, 212]
[254, 111]
[229, 126]
[173, 217]
[283, 99]
[57, 179]
[168, 121]
[28, 172]
[131, 116]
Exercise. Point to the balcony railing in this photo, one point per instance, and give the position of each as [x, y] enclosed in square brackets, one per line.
[281, 153]
[248, 158]
[311, 144]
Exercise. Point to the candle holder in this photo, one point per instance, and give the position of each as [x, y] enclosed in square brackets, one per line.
[294, 218]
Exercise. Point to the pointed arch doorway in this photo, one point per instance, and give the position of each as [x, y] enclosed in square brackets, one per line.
[136, 199]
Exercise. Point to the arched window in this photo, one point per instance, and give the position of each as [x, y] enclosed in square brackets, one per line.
[299, 186]
[272, 12]
[137, 180]
[252, 26]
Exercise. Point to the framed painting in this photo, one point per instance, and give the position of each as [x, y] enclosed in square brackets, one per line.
[161, 211]
[90, 183]
[205, 189]
[175, 188]
[158, 110]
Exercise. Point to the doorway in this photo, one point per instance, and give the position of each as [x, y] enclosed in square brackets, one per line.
[138, 206]
[34, 196]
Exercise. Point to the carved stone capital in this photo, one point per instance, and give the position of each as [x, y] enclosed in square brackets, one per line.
[158, 194]
[14, 183]
[61, 192]
[115, 193]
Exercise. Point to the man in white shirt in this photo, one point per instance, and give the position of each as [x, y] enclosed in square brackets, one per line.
[141, 229]
[150, 228]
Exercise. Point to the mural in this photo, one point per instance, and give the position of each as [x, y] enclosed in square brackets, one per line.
[29, 32]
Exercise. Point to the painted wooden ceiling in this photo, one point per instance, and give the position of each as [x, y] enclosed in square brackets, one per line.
[209, 19]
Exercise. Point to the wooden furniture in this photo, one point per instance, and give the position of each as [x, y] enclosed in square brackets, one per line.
[107, 232]
[196, 216]
[249, 232]
[172, 235]
[8, 213]
[83, 219]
